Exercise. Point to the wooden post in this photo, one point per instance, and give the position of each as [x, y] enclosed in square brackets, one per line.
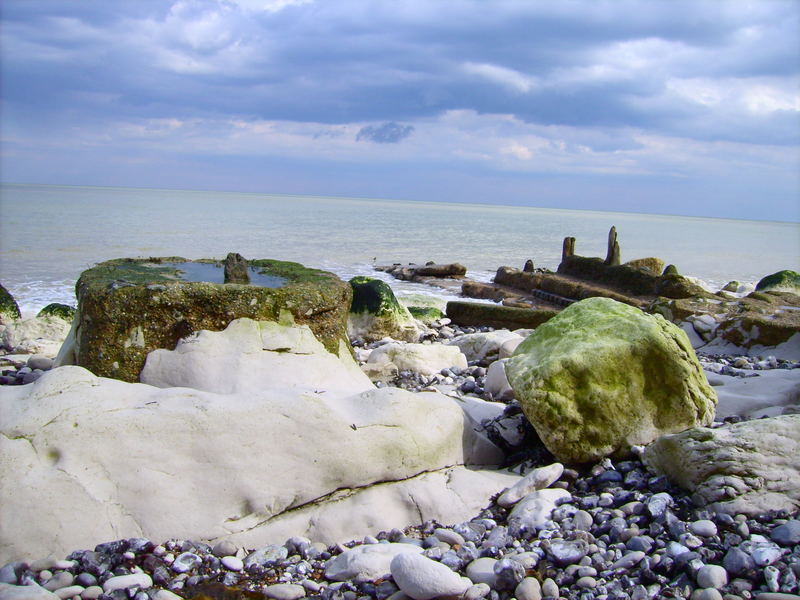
[613, 254]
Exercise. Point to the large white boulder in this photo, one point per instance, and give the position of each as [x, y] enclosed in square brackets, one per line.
[253, 357]
[255, 466]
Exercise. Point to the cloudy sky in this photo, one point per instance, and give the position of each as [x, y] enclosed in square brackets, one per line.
[676, 107]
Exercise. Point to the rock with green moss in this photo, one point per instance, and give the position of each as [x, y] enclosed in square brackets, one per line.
[9, 310]
[130, 307]
[375, 313]
[61, 311]
[423, 307]
[501, 317]
[782, 281]
[603, 376]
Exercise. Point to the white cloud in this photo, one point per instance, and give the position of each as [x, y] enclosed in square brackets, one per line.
[755, 95]
[509, 78]
[271, 6]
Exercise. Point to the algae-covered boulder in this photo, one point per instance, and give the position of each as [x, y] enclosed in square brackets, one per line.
[673, 285]
[61, 311]
[130, 307]
[603, 376]
[375, 313]
[9, 310]
[782, 281]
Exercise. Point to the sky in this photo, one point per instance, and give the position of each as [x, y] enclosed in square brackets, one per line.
[674, 107]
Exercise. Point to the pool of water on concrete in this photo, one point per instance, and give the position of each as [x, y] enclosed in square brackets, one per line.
[215, 273]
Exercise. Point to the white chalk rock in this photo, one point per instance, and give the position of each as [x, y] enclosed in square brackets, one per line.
[367, 562]
[242, 467]
[421, 578]
[255, 357]
[534, 511]
[37, 335]
[426, 359]
[496, 381]
[484, 345]
[537, 479]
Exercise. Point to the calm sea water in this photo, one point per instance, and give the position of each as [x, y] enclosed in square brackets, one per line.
[49, 234]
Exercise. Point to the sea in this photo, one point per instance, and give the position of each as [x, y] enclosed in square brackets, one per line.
[50, 234]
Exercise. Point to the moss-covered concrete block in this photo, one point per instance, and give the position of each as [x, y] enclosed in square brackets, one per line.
[129, 307]
[603, 376]
[375, 313]
[9, 310]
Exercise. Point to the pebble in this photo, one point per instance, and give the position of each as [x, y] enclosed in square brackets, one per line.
[481, 570]
[712, 576]
[122, 582]
[528, 589]
[284, 591]
[232, 563]
[224, 548]
[422, 578]
[787, 534]
[703, 528]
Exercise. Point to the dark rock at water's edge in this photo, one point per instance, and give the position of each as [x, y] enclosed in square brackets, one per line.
[129, 307]
[476, 313]
[55, 309]
[421, 273]
[8, 306]
[236, 269]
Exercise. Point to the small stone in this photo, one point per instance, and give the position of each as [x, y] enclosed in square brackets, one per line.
[481, 570]
[772, 578]
[448, 536]
[703, 528]
[69, 591]
[658, 504]
[586, 583]
[706, 594]
[629, 560]
[712, 576]
[224, 548]
[537, 479]
[529, 589]
[550, 588]
[86, 579]
[476, 592]
[582, 520]
[232, 563]
[284, 591]
[422, 578]
[166, 595]
[565, 552]
[266, 555]
[738, 562]
[59, 580]
[122, 582]
[508, 574]
[185, 562]
[787, 534]
[93, 592]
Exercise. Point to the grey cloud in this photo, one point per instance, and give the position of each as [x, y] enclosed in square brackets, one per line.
[387, 133]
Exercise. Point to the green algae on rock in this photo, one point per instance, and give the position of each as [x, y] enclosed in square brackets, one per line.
[375, 312]
[8, 306]
[55, 309]
[782, 281]
[603, 376]
[129, 307]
